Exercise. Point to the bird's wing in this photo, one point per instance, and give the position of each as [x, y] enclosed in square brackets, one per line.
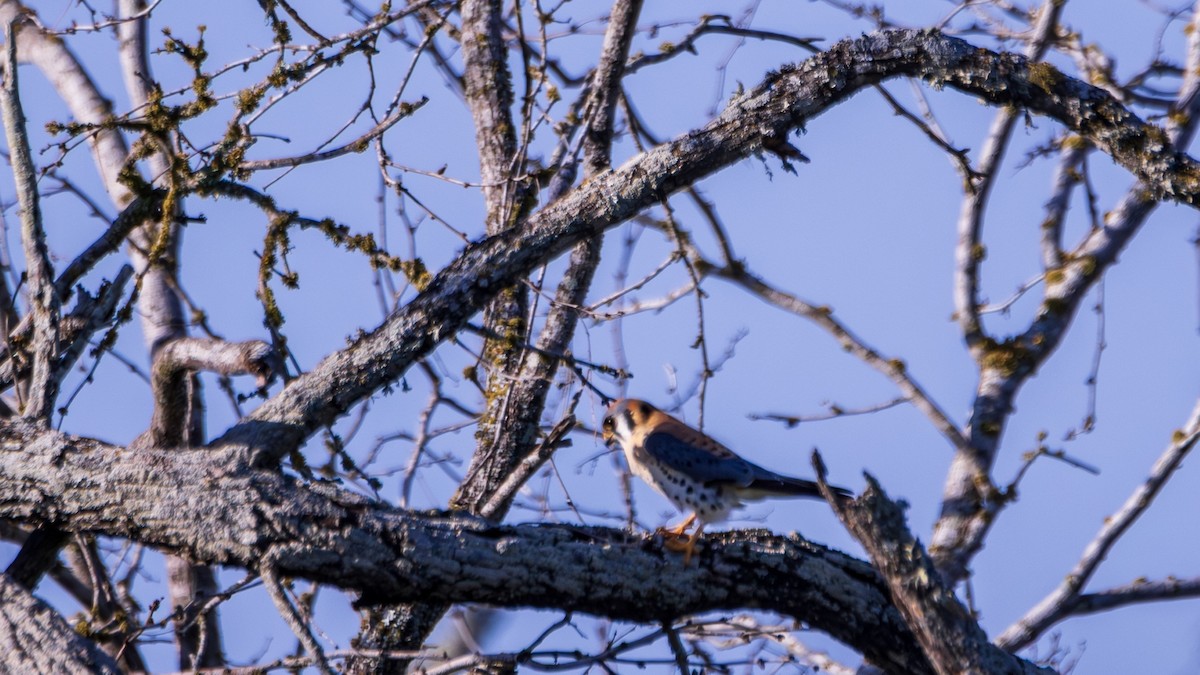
[688, 451]
[698, 456]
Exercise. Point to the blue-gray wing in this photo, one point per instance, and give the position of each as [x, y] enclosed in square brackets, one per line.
[717, 464]
[700, 463]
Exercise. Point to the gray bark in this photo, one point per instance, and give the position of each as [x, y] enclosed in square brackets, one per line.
[37, 639]
[164, 499]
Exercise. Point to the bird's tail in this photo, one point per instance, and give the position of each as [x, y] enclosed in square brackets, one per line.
[775, 485]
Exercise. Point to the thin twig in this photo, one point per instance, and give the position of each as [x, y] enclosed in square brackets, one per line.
[292, 618]
[835, 411]
[528, 466]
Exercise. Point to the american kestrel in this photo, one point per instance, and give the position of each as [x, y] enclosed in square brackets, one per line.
[695, 472]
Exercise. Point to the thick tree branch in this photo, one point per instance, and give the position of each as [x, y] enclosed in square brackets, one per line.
[519, 379]
[38, 553]
[155, 255]
[163, 498]
[487, 87]
[777, 106]
[525, 398]
[606, 86]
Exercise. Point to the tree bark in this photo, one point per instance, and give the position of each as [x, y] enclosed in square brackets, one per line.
[163, 498]
[37, 639]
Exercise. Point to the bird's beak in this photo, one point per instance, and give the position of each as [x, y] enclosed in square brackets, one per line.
[609, 438]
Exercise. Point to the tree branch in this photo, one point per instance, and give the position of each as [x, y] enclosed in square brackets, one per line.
[39, 640]
[176, 361]
[782, 103]
[1062, 602]
[88, 106]
[525, 399]
[291, 616]
[39, 273]
[893, 369]
[968, 510]
[950, 636]
[89, 315]
[315, 531]
[968, 254]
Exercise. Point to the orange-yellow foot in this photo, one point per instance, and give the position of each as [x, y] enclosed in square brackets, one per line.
[677, 531]
[686, 545]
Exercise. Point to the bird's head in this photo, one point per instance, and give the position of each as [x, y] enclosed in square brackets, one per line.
[624, 418]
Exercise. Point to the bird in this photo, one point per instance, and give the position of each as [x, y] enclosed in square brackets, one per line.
[695, 472]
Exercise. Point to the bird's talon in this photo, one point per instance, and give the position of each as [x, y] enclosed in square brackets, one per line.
[678, 544]
[671, 535]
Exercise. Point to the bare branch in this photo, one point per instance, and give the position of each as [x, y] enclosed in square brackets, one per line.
[950, 636]
[893, 369]
[357, 145]
[133, 215]
[47, 642]
[163, 498]
[177, 360]
[293, 619]
[777, 105]
[88, 106]
[1006, 365]
[970, 252]
[1138, 591]
[1061, 602]
[39, 273]
[503, 495]
[525, 400]
[835, 411]
[89, 315]
[715, 24]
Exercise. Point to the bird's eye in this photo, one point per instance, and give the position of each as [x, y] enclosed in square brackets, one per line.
[608, 423]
